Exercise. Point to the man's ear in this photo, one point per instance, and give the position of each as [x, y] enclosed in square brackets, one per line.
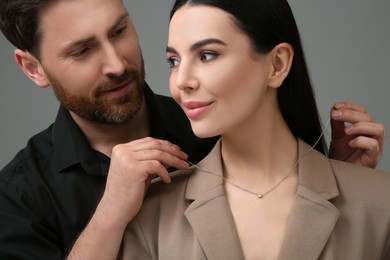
[31, 67]
[282, 56]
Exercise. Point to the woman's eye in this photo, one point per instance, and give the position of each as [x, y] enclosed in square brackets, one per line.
[207, 56]
[172, 62]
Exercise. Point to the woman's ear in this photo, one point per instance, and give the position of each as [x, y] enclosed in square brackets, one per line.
[282, 56]
[31, 67]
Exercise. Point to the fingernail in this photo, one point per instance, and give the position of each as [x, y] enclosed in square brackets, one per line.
[336, 113]
[339, 105]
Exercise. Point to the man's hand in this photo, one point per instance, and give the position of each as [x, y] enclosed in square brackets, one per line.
[133, 166]
[361, 141]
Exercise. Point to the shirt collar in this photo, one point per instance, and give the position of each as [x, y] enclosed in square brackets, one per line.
[71, 148]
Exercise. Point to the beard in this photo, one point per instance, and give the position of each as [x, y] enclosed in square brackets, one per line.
[100, 109]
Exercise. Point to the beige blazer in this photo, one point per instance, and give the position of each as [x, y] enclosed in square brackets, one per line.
[341, 212]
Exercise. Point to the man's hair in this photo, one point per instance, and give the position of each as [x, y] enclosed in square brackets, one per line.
[19, 22]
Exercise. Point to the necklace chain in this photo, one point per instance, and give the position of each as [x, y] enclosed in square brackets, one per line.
[262, 194]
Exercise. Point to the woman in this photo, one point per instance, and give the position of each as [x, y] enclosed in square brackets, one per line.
[266, 191]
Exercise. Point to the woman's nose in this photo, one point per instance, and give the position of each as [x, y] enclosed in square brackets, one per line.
[186, 79]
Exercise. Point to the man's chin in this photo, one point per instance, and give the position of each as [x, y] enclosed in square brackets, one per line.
[118, 115]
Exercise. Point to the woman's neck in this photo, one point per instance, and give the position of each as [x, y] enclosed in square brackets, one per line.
[259, 153]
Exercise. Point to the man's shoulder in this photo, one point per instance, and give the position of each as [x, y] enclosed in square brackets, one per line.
[170, 104]
[38, 148]
[165, 109]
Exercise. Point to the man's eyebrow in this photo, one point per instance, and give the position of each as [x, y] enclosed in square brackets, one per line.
[120, 20]
[90, 39]
[199, 44]
[78, 43]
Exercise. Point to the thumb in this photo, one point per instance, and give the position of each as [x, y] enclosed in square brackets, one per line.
[336, 125]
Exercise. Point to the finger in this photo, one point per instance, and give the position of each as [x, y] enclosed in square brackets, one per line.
[154, 142]
[336, 125]
[142, 140]
[162, 145]
[365, 143]
[150, 143]
[350, 116]
[370, 130]
[350, 106]
[153, 167]
[372, 153]
[165, 158]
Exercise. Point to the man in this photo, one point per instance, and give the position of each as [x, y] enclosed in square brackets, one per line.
[72, 188]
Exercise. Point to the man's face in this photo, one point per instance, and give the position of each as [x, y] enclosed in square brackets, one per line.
[90, 54]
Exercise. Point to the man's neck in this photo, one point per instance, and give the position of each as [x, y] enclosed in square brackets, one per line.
[103, 138]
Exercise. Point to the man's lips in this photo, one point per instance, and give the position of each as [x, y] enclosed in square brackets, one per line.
[195, 109]
[119, 90]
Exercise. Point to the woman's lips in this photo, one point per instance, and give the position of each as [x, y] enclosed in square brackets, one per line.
[195, 109]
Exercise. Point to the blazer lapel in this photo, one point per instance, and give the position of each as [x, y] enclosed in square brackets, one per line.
[310, 225]
[313, 217]
[209, 213]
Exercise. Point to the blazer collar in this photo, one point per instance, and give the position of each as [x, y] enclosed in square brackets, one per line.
[209, 213]
[313, 217]
[311, 222]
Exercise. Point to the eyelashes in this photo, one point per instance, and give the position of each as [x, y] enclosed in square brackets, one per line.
[172, 62]
[204, 57]
[207, 56]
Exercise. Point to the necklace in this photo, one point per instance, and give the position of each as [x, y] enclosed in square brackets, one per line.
[262, 194]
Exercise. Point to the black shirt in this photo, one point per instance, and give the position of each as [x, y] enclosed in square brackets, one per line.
[50, 190]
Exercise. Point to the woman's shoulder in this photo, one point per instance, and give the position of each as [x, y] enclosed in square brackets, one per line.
[359, 173]
[166, 198]
[362, 184]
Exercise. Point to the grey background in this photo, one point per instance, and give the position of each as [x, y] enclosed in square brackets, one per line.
[346, 45]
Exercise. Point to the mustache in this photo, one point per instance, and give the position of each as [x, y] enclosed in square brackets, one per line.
[114, 81]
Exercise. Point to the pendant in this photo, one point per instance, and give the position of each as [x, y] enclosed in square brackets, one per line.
[259, 195]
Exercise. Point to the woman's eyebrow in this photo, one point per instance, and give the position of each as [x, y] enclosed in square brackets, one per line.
[199, 44]
[204, 42]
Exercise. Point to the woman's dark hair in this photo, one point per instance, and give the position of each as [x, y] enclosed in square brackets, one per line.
[19, 22]
[269, 23]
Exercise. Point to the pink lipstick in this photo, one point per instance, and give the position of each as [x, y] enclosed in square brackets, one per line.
[195, 109]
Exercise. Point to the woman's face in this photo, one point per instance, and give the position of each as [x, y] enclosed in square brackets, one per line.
[217, 77]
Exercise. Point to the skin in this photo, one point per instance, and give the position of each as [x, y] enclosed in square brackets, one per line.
[87, 47]
[362, 141]
[227, 89]
[241, 84]
[210, 60]
[71, 51]
[85, 64]
[95, 74]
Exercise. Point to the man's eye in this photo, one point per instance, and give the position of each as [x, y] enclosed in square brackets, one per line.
[120, 31]
[80, 53]
[207, 56]
[173, 62]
